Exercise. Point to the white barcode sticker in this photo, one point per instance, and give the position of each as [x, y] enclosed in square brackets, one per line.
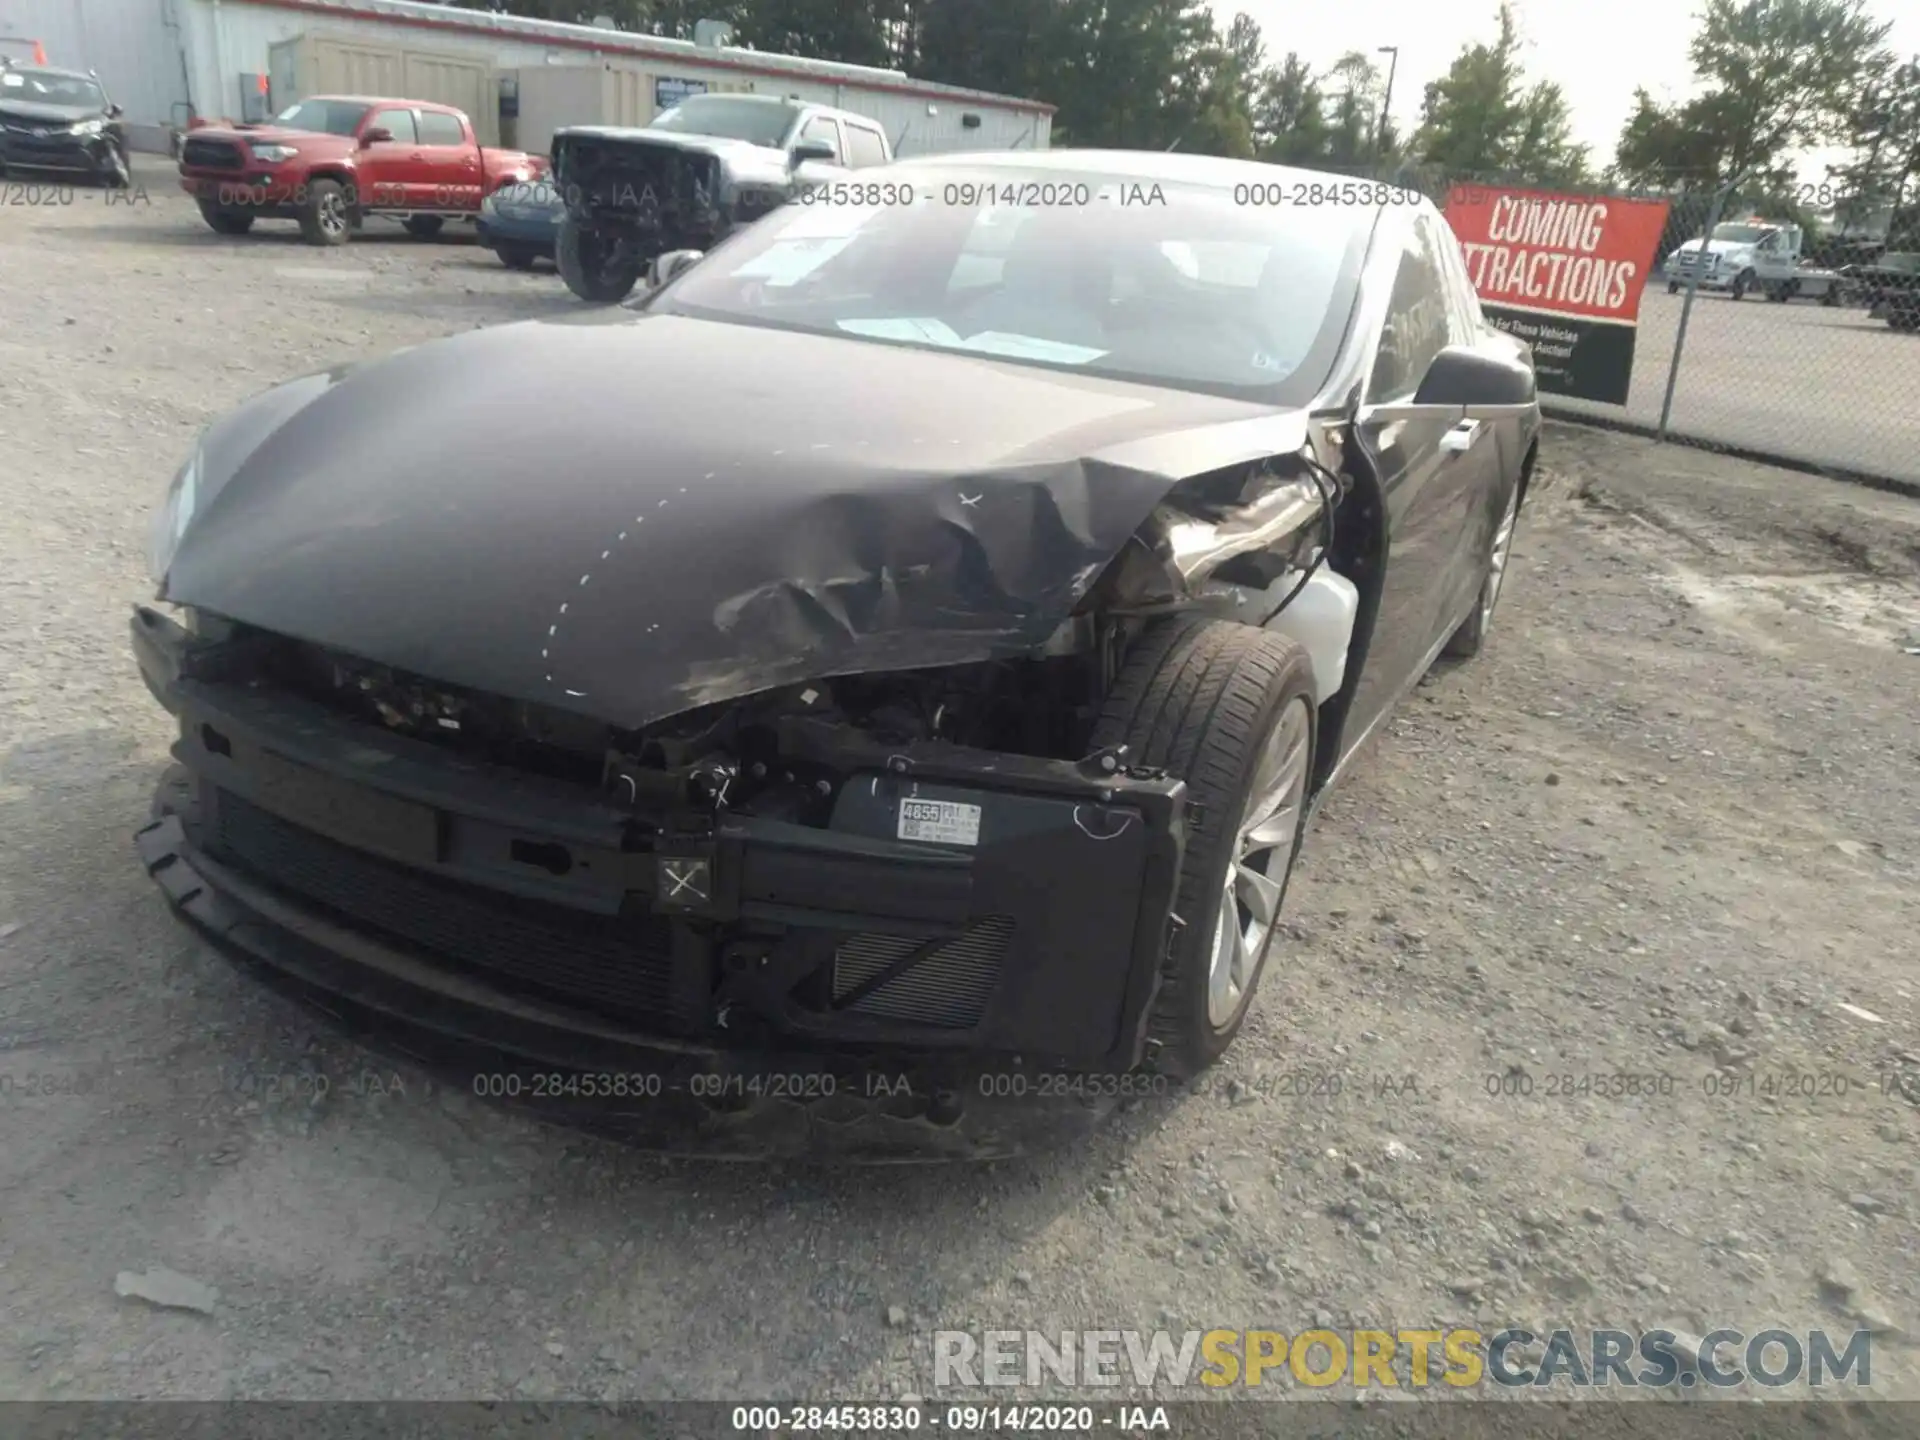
[940, 822]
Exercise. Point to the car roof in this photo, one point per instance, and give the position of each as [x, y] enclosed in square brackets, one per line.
[53, 70]
[1146, 166]
[400, 100]
[741, 95]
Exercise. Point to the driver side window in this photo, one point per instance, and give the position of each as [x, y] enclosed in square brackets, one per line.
[822, 130]
[399, 122]
[1418, 317]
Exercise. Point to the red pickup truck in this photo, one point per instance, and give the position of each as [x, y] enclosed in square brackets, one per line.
[332, 160]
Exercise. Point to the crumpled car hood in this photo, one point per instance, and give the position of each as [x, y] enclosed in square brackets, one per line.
[634, 518]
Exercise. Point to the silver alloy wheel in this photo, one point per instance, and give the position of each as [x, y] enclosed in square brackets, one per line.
[332, 214]
[1262, 852]
[1497, 562]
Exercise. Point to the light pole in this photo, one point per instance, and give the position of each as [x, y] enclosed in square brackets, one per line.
[1386, 101]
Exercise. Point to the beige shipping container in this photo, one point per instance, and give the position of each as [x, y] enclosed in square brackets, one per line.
[552, 97]
[316, 64]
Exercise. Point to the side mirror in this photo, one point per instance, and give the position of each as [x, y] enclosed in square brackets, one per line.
[114, 112]
[378, 135]
[1462, 375]
[811, 150]
[670, 263]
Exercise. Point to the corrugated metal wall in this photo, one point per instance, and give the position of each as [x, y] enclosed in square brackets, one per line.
[156, 55]
[326, 64]
[220, 54]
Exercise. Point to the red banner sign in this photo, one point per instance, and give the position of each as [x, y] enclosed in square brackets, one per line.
[1564, 273]
[1585, 255]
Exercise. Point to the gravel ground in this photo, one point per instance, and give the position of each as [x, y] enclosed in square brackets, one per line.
[1668, 826]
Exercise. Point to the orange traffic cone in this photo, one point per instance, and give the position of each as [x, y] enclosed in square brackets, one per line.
[39, 53]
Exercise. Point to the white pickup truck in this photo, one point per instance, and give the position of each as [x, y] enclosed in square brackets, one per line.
[1748, 255]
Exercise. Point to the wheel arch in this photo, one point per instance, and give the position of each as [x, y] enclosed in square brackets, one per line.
[1359, 553]
[342, 175]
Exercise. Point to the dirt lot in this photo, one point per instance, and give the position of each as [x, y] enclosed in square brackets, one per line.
[1669, 826]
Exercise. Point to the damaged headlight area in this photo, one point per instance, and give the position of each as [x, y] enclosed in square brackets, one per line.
[174, 514]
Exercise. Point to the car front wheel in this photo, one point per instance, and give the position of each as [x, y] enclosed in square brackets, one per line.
[326, 218]
[516, 257]
[1229, 709]
[596, 267]
[113, 169]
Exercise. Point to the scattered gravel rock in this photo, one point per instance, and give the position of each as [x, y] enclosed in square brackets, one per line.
[1838, 1279]
[168, 1289]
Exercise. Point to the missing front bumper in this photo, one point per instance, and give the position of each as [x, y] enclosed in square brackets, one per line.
[963, 912]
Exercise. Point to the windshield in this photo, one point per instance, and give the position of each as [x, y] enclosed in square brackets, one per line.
[325, 117]
[729, 117]
[44, 88]
[1193, 292]
[1742, 234]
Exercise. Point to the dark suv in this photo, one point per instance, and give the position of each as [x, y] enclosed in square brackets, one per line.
[60, 121]
[698, 172]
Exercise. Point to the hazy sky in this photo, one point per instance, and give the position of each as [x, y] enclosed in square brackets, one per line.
[1597, 49]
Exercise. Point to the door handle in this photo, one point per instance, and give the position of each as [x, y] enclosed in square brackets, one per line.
[1463, 437]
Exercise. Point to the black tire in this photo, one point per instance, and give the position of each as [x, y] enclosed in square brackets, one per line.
[227, 222]
[114, 175]
[1742, 283]
[1471, 638]
[1904, 320]
[516, 257]
[1673, 287]
[327, 217]
[1830, 296]
[423, 227]
[595, 268]
[1204, 699]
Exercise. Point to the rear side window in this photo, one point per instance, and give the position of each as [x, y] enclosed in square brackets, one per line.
[1419, 318]
[865, 147]
[399, 122]
[437, 128]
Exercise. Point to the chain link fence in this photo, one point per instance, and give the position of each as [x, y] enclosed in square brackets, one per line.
[1804, 348]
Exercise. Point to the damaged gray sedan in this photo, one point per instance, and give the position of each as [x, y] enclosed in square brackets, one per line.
[911, 639]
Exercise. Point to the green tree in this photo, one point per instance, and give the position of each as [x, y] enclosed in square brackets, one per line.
[1358, 90]
[1672, 147]
[1482, 117]
[1289, 114]
[986, 44]
[1779, 76]
[1884, 140]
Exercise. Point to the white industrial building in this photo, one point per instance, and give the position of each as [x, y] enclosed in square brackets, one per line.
[166, 60]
